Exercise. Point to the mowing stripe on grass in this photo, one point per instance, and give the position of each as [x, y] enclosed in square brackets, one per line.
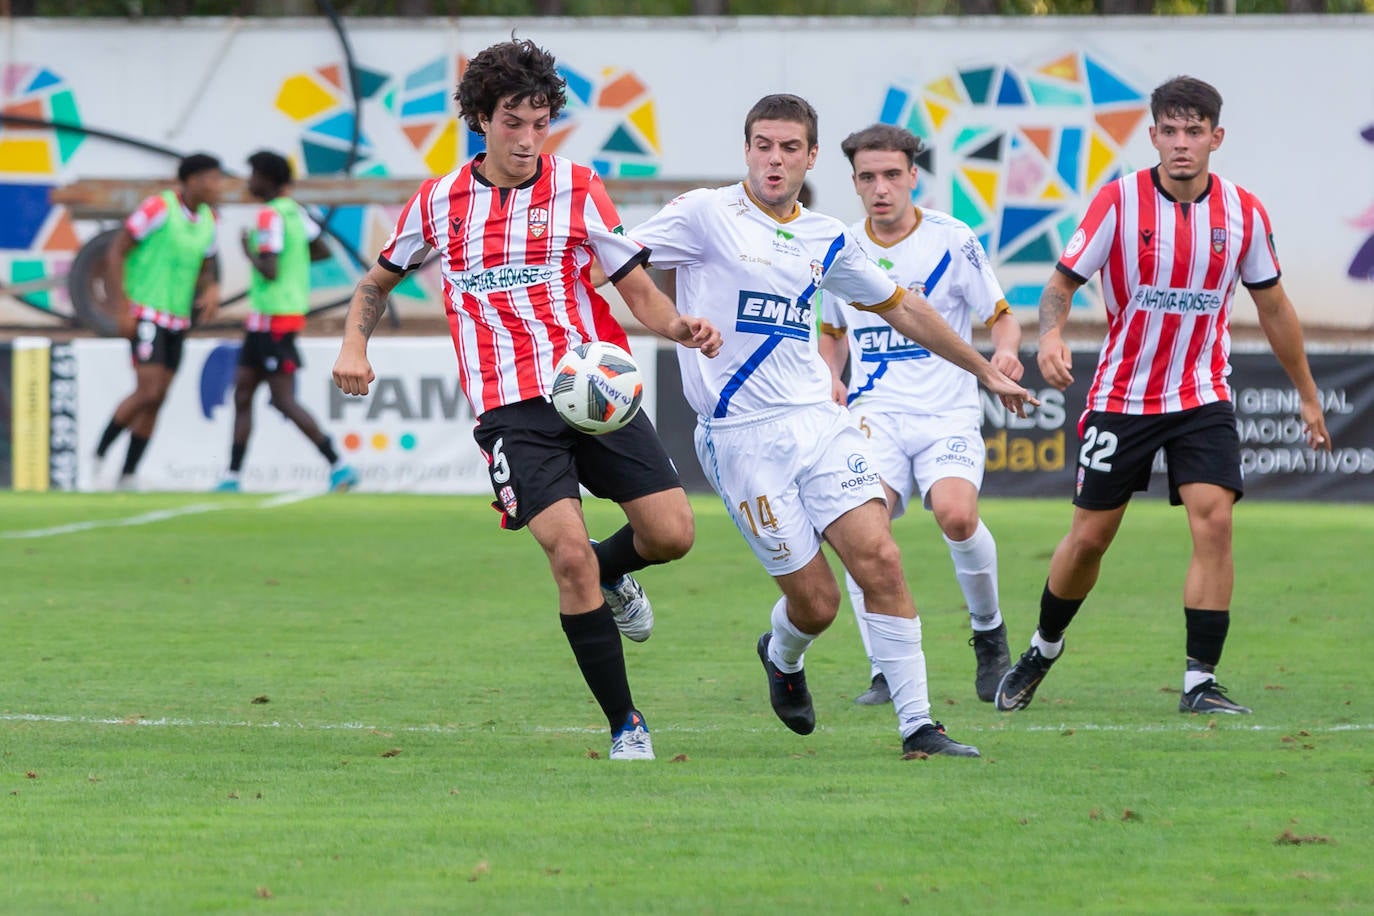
[148, 518]
[1181, 726]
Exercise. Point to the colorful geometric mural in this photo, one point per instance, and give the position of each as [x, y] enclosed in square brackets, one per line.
[321, 102]
[1362, 265]
[31, 159]
[1017, 151]
[411, 126]
[615, 112]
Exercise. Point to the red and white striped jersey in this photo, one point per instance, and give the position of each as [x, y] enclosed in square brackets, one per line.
[513, 264]
[1169, 274]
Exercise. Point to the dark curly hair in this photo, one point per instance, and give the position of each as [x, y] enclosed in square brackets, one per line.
[514, 71]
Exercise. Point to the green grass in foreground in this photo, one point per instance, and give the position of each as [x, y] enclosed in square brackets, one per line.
[365, 704]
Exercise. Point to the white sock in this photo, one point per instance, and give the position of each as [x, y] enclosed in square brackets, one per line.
[788, 646]
[975, 568]
[1193, 678]
[897, 650]
[231, 475]
[856, 598]
[1047, 649]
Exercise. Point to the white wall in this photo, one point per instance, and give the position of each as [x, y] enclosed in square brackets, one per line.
[1298, 93]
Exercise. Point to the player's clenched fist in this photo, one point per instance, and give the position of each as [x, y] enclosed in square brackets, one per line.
[353, 373]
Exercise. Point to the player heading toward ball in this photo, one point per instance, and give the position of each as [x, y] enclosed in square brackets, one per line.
[789, 465]
[514, 230]
[1172, 242]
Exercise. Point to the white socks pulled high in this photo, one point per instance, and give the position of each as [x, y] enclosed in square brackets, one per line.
[896, 647]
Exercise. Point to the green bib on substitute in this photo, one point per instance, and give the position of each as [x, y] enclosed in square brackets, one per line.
[161, 271]
[289, 294]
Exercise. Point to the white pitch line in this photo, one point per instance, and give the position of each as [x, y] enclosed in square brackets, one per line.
[148, 518]
[166, 722]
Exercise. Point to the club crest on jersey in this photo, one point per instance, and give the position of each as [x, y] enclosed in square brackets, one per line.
[539, 222]
[817, 272]
[1218, 240]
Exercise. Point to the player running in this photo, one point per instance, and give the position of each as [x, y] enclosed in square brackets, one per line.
[921, 412]
[1172, 242]
[161, 271]
[786, 460]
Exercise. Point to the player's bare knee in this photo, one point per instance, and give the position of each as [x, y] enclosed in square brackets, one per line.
[573, 565]
[959, 525]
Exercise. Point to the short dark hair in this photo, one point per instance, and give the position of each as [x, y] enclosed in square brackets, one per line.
[196, 163]
[783, 106]
[272, 166]
[886, 137]
[514, 70]
[1185, 96]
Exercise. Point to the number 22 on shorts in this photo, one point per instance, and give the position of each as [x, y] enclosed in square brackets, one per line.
[1097, 449]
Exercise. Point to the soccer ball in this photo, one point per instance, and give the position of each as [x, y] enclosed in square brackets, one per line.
[597, 387]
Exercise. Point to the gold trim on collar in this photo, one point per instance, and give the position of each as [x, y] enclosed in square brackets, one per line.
[868, 231]
[796, 207]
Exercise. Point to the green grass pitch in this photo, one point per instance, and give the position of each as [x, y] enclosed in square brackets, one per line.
[364, 704]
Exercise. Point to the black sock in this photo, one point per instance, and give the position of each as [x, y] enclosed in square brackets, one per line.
[327, 450]
[135, 454]
[596, 645]
[1056, 614]
[617, 556]
[108, 437]
[236, 452]
[1206, 636]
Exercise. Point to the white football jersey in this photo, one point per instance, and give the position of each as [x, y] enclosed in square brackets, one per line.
[756, 278]
[943, 260]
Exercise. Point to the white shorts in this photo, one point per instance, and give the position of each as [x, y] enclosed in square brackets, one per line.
[785, 475]
[915, 450]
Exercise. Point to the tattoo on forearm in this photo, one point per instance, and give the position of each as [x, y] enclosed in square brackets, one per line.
[373, 307]
[1054, 308]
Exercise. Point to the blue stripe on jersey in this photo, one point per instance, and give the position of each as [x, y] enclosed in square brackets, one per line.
[916, 353]
[937, 273]
[742, 374]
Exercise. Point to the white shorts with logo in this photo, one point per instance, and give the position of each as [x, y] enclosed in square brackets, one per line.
[785, 475]
[913, 451]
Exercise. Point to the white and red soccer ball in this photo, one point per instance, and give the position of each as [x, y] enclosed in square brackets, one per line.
[597, 387]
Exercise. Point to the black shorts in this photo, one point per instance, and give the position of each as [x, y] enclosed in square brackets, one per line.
[270, 353]
[535, 459]
[155, 345]
[1116, 452]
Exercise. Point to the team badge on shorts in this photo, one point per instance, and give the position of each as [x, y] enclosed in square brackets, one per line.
[539, 222]
[508, 500]
[1078, 484]
[1218, 240]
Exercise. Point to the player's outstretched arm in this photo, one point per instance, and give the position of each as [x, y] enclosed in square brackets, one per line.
[913, 317]
[657, 313]
[1279, 321]
[1054, 359]
[352, 372]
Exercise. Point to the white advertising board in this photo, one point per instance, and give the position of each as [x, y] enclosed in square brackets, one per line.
[411, 433]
